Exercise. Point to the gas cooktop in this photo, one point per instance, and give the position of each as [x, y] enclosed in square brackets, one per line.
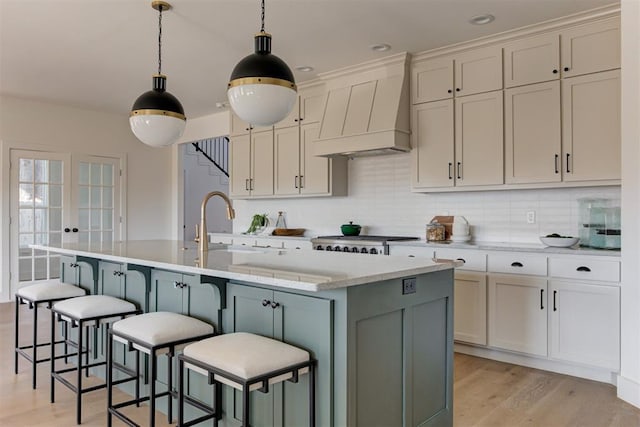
[368, 238]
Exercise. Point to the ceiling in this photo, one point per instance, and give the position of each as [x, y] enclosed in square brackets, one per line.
[100, 54]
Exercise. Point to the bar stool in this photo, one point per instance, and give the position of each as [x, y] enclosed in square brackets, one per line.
[246, 362]
[155, 334]
[43, 293]
[84, 312]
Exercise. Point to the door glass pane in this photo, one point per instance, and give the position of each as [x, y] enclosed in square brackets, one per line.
[83, 219]
[95, 219]
[54, 266]
[96, 211]
[96, 174]
[107, 199]
[83, 173]
[107, 175]
[96, 197]
[83, 197]
[37, 219]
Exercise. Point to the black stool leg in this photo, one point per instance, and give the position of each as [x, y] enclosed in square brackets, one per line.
[79, 377]
[180, 392]
[245, 406]
[137, 379]
[52, 396]
[109, 380]
[170, 384]
[66, 338]
[312, 395]
[17, 320]
[86, 356]
[35, 345]
[152, 390]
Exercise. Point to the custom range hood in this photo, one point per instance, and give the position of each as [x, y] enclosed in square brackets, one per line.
[367, 110]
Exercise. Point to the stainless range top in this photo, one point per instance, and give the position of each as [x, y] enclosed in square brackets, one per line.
[374, 245]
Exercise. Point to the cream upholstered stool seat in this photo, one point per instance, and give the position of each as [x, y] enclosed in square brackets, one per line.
[154, 334]
[246, 362]
[84, 312]
[39, 294]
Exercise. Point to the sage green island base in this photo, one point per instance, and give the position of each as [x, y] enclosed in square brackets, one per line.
[385, 355]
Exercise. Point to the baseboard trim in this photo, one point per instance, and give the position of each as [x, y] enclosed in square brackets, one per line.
[629, 391]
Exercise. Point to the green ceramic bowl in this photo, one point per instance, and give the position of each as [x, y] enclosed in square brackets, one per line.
[350, 229]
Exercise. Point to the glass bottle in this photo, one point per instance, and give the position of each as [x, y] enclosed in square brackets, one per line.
[280, 222]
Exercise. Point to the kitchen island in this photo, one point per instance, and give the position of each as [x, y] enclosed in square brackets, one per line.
[380, 327]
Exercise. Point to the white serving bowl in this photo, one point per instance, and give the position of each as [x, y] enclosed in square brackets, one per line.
[559, 242]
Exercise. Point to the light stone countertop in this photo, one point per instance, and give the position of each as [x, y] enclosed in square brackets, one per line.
[293, 269]
[511, 247]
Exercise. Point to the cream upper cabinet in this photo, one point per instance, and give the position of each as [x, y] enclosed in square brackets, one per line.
[467, 73]
[308, 108]
[433, 144]
[479, 70]
[591, 127]
[532, 60]
[240, 127]
[584, 323]
[240, 162]
[518, 313]
[479, 151]
[252, 164]
[532, 133]
[432, 80]
[286, 143]
[591, 47]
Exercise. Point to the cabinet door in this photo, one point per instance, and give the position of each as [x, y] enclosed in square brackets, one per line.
[591, 48]
[305, 322]
[238, 126]
[286, 143]
[532, 133]
[433, 143]
[77, 273]
[591, 127]
[470, 308]
[165, 295]
[479, 147]
[478, 71]
[292, 118]
[312, 102]
[532, 60]
[261, 181]
[584, 323]
[518, 313]
[110, 279]
[240, 165]
[314, 171]
[431, 80]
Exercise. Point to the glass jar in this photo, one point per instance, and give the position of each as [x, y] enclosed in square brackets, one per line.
[435, 232]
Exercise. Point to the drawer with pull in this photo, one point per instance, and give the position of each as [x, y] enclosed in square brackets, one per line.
[411, 251]
[472, 260]
[516, 263]
[582, 268]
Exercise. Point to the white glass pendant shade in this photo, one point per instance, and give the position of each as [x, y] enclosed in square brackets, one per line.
[261, 104]
[157, 130]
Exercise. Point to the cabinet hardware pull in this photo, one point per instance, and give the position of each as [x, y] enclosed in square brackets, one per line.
[67, 229]
[75, 230]
[459, 175]
[583, 268]
[301, 118]
[246, 184]
[516, 264]
[295, 181]
[115, 273]
[449, 91]
[251, 184]
[555, 163]
[295, 120]
[301, 181]
[412, 256]
[275, 304]
[450, 166]
[568, 157]
[555, 71]
[541, 299]
[566, 68]
[265, 302]
[554, 301]
[176, 284]
[461, 259]
[457, 89]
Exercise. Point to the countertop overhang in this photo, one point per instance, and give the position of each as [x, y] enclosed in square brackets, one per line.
[312, 271]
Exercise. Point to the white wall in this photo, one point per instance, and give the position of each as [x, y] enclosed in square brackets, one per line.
[26, 124]
[629, 379]
[380, 199]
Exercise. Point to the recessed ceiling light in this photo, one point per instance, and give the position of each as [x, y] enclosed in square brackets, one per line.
[304, 68]
[482, 19]
[380, 47]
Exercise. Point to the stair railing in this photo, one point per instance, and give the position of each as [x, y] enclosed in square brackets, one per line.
[216, 150]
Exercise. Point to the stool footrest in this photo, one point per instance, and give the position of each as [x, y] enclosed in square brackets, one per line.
[122, 417]
[73, 387]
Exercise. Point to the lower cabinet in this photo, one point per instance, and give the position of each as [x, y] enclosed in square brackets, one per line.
[584, 323]
[77, 273]
[470, 312]
[299, 320]
[518, 313]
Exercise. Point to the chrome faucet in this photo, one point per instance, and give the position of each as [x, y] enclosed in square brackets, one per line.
[201, 234]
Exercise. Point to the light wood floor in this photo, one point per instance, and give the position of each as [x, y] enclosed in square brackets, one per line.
[486, 393]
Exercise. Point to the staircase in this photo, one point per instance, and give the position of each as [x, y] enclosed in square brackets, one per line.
[216, 150]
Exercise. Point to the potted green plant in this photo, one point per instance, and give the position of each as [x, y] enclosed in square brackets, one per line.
[258, 223]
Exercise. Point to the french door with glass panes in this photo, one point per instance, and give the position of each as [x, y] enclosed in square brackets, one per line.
[59, 198]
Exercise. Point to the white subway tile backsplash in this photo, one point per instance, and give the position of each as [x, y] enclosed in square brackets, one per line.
[381, 200]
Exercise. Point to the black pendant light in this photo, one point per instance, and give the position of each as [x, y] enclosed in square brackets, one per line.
[157, 117]
[262, 90]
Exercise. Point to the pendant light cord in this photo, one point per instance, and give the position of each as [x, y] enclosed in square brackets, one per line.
[262, 18]
[160, 40]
